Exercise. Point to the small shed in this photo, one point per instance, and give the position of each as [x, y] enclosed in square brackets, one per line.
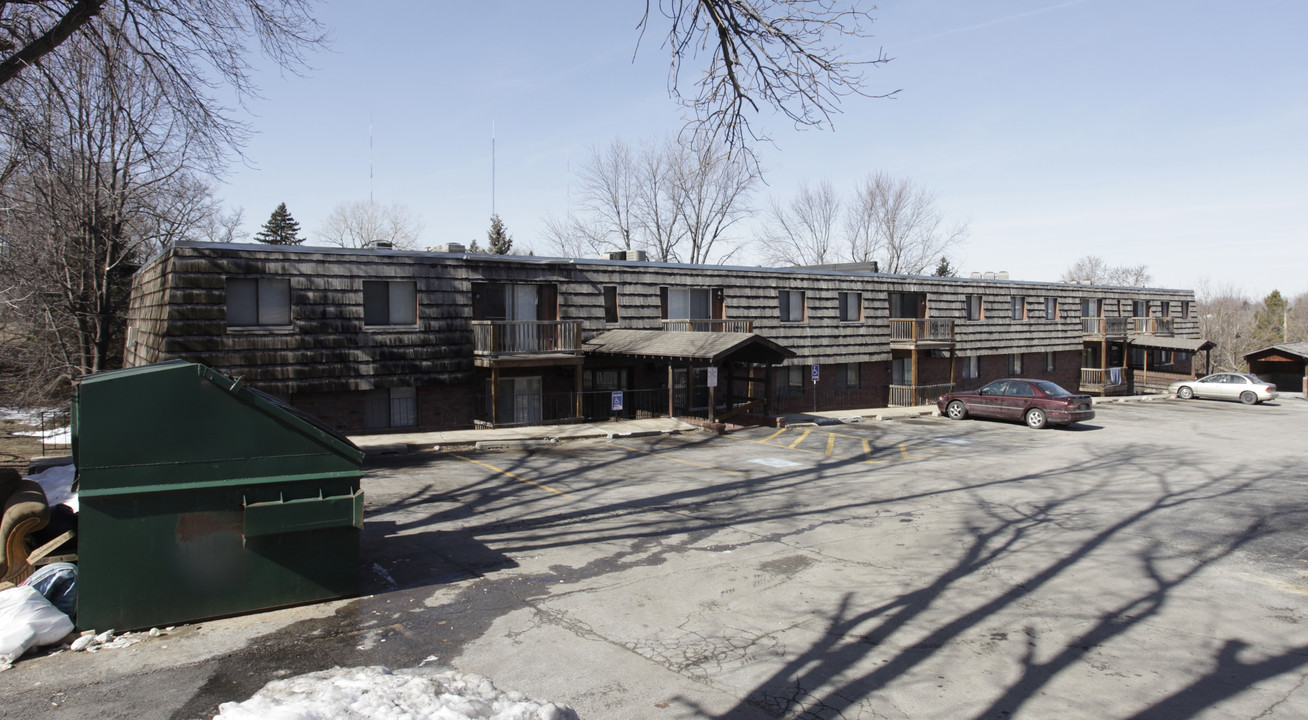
[1285, 364]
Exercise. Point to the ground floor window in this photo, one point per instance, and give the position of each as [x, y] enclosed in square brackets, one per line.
[971, 367]
[901, 371]
[849, 375]
[1015, 364]
[1049, 361]
[390, 408]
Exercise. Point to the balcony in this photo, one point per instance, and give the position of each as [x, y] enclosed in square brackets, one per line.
[707, 325]
[1157, 326]
[526, 342]
[918, 333]
[1110, 381]
[1104, 327]
[914, 395]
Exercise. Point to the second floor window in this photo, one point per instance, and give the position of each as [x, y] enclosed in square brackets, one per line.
[688, 304]
[1140, 308]
[1090, 307]
[255, 302]
[1051, 308]
[908, 305]
[610, 304]
[851, 307]
[1165, 309]
[792, 306]
[1019, 308]
[975, 310]
[390, 302]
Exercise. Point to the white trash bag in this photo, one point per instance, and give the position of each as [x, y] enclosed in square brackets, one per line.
[28, 620]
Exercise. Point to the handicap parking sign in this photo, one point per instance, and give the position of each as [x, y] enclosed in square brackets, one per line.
[616, 403]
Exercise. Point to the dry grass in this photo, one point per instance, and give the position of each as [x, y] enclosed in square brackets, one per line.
[17, 450]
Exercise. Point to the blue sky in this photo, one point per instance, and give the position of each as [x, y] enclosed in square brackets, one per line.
[1165, 132]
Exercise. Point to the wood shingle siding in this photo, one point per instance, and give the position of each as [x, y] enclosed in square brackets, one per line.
[179, 310]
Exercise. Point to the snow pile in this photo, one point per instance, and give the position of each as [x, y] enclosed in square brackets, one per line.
[376, 693]
[57, 482]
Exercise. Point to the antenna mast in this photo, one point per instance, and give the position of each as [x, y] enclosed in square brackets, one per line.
[492, 168]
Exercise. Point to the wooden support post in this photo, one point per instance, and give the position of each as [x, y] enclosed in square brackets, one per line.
[713, 405]
[577, 393]
[495, 396]
[912, 391]
[1103, 364]
[671, 391]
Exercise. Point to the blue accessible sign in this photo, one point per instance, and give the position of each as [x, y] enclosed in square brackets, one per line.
[815, 373]
[616, 402]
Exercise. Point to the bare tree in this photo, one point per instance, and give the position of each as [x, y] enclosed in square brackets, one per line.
[1226, 317]
[1095, 270]
[803, 231]
[1297, 322]
[100, 174]
[676, 201]
[365, 224]
[782, 54]
[712, 187]
[896, 222]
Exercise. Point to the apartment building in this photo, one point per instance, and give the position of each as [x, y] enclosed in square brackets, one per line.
[379, 339]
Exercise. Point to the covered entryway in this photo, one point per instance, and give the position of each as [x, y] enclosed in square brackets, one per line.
[714, 375]
[1286, 365]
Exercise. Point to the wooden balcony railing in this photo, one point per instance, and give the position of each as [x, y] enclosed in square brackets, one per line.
[1104, 326]
[913, 395]
[707, 325]
[1098, 378]
[1159, 326]
[526, 337]
[921, 330]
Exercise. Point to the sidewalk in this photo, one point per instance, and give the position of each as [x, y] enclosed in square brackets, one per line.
[539, 435]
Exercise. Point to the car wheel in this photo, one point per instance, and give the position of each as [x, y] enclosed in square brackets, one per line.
[956, 410]
[1248, 398]
[1035, 418]
[1185, 392]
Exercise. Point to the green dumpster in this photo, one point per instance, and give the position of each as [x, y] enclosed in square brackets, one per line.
[201, 497]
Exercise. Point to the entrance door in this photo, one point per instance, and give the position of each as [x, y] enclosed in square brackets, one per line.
[520, 400]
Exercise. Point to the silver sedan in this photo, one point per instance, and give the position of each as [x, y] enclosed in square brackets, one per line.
[1248, 389]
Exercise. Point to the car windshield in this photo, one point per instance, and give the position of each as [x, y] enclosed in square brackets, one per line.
[1051, 389]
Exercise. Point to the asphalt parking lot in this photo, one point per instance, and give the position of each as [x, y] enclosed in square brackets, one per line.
[1149, 563]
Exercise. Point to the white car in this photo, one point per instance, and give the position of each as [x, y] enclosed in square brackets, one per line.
[1248, 389]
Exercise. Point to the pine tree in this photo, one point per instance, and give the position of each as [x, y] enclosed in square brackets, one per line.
[498, 240]
[944, 269]
[1270, 319]
[281, 228]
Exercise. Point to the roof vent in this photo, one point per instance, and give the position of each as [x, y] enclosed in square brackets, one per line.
[976, 276]
[1003, 275]
[988, 276]
[447, 248]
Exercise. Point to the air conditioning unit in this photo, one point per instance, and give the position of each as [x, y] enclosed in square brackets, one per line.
[447, 248]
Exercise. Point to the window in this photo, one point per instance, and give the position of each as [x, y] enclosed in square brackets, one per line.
[610, 304]
[258, 302]
[1019, 307]
[849, 375]
[792, 306]
[851, 307]
[1051, 308]
[901, 371]
[1165, 309]
[1140, 308]
[1187, 309]
[975, 309]
[390, 302]
[396, 407]
[793, 378]
[1090, 307]
[908, 305]
[1049, 362]
[1015, 364]
[689, 304]
[971, 367]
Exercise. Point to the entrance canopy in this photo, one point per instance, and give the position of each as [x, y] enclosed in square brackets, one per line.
[1153, 342]
[693, 348]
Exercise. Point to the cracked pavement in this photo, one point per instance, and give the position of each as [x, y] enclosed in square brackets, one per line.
[1149, 564]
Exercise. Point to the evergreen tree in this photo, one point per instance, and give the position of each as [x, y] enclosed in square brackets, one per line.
[944, 269]
[281, 228]
[1270, 319]
[498, 240]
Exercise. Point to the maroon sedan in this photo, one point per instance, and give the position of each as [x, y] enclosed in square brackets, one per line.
[1038, 402]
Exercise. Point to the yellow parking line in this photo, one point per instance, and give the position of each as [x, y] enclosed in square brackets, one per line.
[515, 477]
[831, 442]
[683, 462]
[800, 439]
[903, 451]
[773, 435]
[867, 448]
[801, 450]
